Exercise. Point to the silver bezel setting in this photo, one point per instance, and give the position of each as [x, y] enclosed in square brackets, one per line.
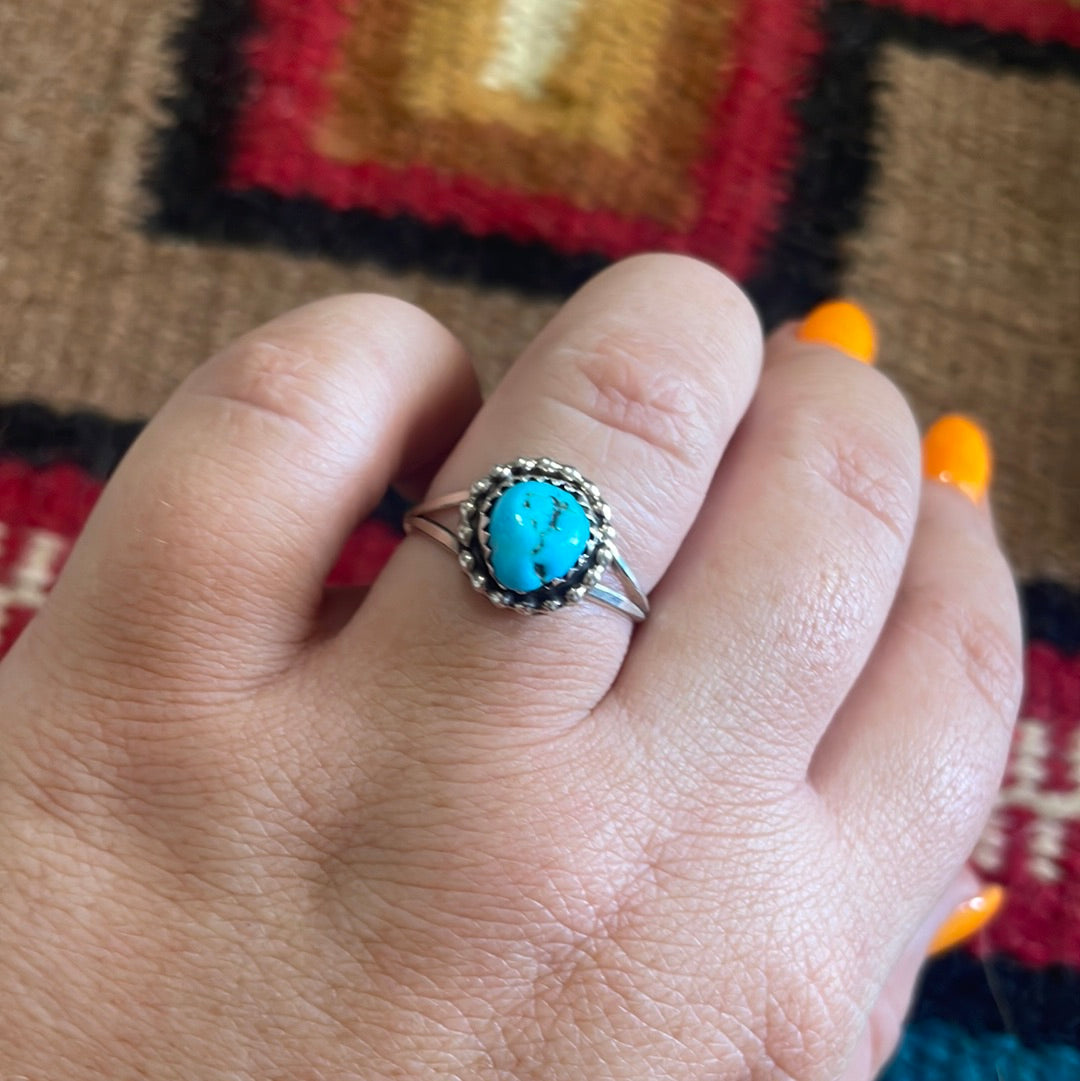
[474, 553]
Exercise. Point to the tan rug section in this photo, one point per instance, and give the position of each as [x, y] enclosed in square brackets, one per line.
[969, 258]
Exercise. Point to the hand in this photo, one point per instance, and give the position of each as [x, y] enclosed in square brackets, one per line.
[249, 833]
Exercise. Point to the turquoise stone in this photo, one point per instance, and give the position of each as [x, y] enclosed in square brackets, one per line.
[537, 533]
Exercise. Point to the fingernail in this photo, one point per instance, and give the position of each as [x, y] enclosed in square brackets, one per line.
[957, 451]
[967, 919]
[843, 325]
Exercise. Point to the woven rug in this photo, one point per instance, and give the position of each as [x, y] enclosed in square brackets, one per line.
[176, 172]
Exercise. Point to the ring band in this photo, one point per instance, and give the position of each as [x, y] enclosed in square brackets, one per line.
[534, 536]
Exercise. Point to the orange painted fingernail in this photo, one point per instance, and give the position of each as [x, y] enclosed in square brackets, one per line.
[957, 451]
[967, 919]
[843, 325]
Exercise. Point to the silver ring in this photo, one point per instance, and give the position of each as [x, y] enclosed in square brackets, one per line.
[534, 536]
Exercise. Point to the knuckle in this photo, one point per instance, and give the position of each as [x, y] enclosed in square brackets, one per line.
[868, 456]
[637, 385]
[869, 475]
[981, 646]
[281, 381]
[668, 355]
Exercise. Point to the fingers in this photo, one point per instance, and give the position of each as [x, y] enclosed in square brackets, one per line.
[776, 599]
[638, 383]
[221, 524]
[912, 762]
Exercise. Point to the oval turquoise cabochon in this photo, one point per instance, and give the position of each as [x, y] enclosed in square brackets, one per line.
[536, 534]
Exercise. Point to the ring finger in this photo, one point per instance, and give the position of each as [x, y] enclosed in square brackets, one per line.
[790, 570]
[638, 383]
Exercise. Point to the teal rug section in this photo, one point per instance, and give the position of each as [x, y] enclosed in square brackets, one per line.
[937, 1051]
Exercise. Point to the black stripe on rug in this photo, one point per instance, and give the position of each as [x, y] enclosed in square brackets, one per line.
[1038, 1006]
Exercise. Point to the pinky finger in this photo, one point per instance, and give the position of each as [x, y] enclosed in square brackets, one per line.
[911, 763]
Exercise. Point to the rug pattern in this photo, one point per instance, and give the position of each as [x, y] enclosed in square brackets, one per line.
[483, 160]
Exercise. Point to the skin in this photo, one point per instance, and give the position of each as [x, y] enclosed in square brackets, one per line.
[249, 832]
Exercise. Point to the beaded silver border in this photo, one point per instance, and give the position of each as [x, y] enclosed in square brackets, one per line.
[474, 554]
